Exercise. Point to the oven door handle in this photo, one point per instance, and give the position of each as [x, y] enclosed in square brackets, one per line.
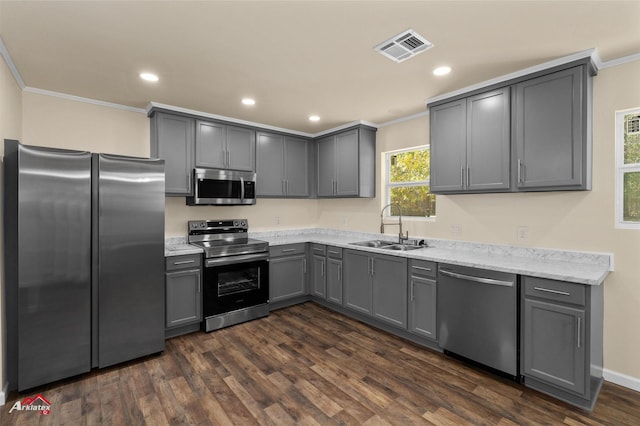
[232, 260]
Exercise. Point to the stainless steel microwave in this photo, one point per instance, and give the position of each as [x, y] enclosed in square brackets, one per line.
[223, 187]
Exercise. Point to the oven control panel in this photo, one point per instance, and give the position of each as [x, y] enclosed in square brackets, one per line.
[218, 226]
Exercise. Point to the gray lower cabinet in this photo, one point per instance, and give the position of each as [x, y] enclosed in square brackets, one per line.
[287, 272]
[345, 163]
[561, 335]
[422, 298]
[221, 146]
[172, 139]
[282, 166]
[470, 144]
[376, 285]
[334, 275]
[552, 118]
[183, 281]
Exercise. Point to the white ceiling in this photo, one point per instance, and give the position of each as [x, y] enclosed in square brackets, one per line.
[297, 58]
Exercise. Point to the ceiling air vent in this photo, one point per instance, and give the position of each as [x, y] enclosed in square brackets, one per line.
[403, 46]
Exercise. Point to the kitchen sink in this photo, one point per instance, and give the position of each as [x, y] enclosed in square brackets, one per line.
[374, 243]
[388, 245]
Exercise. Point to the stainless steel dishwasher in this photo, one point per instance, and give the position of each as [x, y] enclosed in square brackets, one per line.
[478, 316]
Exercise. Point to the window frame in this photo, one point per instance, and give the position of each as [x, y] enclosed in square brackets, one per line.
[388, 184]
[622, 169]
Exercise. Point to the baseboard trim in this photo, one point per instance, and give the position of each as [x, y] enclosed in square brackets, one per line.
[621, 379]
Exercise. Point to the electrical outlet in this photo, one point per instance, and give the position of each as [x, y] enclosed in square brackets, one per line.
[455, 230]
[277, 220]
[522, 234]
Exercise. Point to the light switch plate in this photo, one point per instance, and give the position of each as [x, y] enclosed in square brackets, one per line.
[522, 234]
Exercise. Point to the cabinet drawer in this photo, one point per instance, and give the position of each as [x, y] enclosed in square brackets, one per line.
[334, 252]
[560, 291]
[318, 249]
[287, 250]
[188, 261]
[422, 268]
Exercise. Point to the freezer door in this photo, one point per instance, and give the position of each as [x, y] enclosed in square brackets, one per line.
[53, 223]
[129, 266]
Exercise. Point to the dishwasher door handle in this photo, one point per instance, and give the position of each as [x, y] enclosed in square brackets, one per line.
[476, 279]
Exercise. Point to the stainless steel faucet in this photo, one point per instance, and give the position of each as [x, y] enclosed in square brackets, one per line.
[401, 237]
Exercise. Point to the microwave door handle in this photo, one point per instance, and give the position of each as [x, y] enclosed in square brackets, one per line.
[241, 189]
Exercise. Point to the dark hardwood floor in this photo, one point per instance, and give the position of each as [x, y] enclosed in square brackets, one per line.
[306, 365]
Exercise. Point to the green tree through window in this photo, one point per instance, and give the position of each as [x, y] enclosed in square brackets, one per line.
[631, 176]
[408, 182]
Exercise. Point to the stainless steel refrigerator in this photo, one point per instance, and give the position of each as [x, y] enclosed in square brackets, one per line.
[84, 261]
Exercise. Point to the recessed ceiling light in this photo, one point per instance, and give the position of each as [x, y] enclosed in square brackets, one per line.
[442, 71]
[148, 76]
[248, 101]
[314, 118]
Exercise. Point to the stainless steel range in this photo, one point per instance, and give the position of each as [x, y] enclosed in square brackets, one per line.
[236, 273]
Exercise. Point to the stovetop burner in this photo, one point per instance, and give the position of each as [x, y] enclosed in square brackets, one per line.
[224, 237]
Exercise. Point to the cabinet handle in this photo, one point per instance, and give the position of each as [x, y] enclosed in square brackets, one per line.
[461, 177]
[284, 191]
[579, 333]
[288, 250]
[468, 177]
[520, 174]
[373, 271]
[304, 265]
[421, 268]
[286, 184]
[413, 283]
[548, 290]
[184, 262]
[322, 270]
[339, 272]
[229, 159]
[333, 252]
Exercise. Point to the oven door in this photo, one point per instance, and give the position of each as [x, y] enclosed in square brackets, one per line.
[235, 282]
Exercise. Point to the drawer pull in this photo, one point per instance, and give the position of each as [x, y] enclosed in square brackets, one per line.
[422, 268]
[288, 250]
[548, 290]
[184, 262]
[333, 252]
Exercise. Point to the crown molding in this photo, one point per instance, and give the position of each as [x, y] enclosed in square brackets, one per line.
[12, 67]
[620, 61]
[84, 100]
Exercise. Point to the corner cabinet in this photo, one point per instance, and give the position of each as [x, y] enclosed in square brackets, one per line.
[532, 134]
[220, 146]
[561, 347]
[183, 281]
[282, 166]
[470, 149]
[172, 139]
[345, 163]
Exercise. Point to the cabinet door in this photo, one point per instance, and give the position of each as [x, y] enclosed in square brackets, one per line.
[422, 307]
[270, 165]
[334, 281]
[488, 141]
[326, 166]
[347, 161]
[389, 289]
[554, 344]
[448, 146]
[210, 145]
[287, 277]
[549, 130]
[319, 279]
[357, 279]
[184, 300]
[296, 160]
[241, 149]
[173, 141]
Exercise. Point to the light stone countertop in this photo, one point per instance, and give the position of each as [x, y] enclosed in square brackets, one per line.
[574, 266]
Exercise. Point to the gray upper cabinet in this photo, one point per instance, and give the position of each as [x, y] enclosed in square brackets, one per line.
[282, 166]
[221, 146]
[470, 144]
[551, 117]
[172, 139]
[533, 134]
[345, 163]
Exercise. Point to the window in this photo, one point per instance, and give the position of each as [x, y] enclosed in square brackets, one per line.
[628, 169]
[407, 185]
